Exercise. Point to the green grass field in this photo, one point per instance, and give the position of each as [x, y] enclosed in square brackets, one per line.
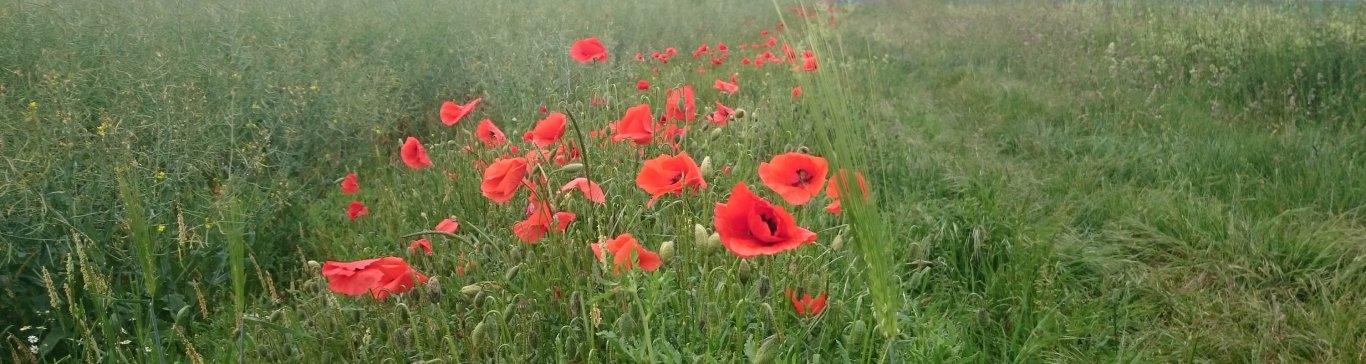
[1089, 181]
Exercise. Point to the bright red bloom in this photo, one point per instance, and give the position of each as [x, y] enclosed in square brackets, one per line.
[672, 134]
[590, 190]
[379, 277]
[637, 125]
[797, 91]
[451, 112]
[350, 184]
[700, 50]
[543, 110]
[796, 177]
[414, 155]
[809, 63]
[669, 174]
[721, 47]
[622, 248]
[721, 116]
[807, 305]
[490, 134]
[839, 182]
[448, 226]
[548, 130]
[420, 243]
[672, 108]
[502, 179]
[588, 50]
[726, 87]
[541, 221]
[640, 57]
[642, 85]
[771, 42]
[744, 61]
[356, 209]
[670, 51]
[749, 225]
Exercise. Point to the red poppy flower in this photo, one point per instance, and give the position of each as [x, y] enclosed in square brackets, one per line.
[490, 134]
[771, 42]
[642, 85]
[565, 153]
[414, 155]
[543, 110]
[718, 61]
[672, 134]
[502, 178]
[379, 277]
[807, 305]
[588, 50]
[637, 125]
[451, 112]
[350, 184]
[744, 61]
[540, 222]
[622, 248]
[758, 62]
[749, 225]
[640, 57]
[356, 209]
[797, 91]
[420, 243]
[726, 87]
[721, 116]
[721, 47]
[676, 96]
[548, 130]
[791, 54]
[700, 50]
[670, 51]
[839, 182]
[590, 190]
[809, 63]
[796, 177]
[669, 174]
[448, 225]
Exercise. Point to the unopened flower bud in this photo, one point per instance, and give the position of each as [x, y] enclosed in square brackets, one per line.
[706, 165]
[471, 290]
[739, 113]
[714, 241]
[838, 243]
[572, 168]
[744, 271]
[666, 250]
[314, 264]
[699, 234]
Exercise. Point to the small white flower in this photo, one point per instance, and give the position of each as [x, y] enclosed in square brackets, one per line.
[25, 328]
[41, 328]
[33, 349]
[147, 349]
[125, 342]
[32, 339]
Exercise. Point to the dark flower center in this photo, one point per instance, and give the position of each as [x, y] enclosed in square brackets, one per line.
[804, 178]
[676, 178]
[771, 221]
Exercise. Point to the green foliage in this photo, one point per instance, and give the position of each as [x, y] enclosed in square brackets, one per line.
[1062, 182]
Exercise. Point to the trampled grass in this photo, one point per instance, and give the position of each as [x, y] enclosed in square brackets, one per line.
[1050, 182]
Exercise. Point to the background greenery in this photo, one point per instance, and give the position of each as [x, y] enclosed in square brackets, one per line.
[1056, 181]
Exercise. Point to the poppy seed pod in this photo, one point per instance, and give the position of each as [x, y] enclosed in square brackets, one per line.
[666, 250]
[477, 334]
[740, 113]
[511, 273]
[433, 288]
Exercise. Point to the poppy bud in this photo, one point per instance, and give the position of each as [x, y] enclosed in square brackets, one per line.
[575, 303]
[838, 243]
[478, 334]
[313, 264]
[714, 241]
[739, 113]
[855, 333]
[433, 287]
[763, 286]
[743, 271]
[716, 133]
[803, 150]
[399, 338]
[666, 250]
[571, 168]
[768, 311]
[471, 290]
[179, 315]
[766, 350]
[699, 233]
[706, 163]
[511, 273]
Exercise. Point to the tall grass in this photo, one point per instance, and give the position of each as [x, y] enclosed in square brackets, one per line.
[1072, 182]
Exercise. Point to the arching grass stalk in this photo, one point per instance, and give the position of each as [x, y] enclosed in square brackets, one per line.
[136, 217]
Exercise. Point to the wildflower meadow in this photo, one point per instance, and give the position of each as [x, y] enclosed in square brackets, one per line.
[682, 181]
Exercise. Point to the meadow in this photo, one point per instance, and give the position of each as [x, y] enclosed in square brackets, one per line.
[1046, 181]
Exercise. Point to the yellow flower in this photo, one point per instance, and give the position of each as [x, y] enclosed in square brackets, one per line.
[161, 175]
[161, 228]
[33, 105]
